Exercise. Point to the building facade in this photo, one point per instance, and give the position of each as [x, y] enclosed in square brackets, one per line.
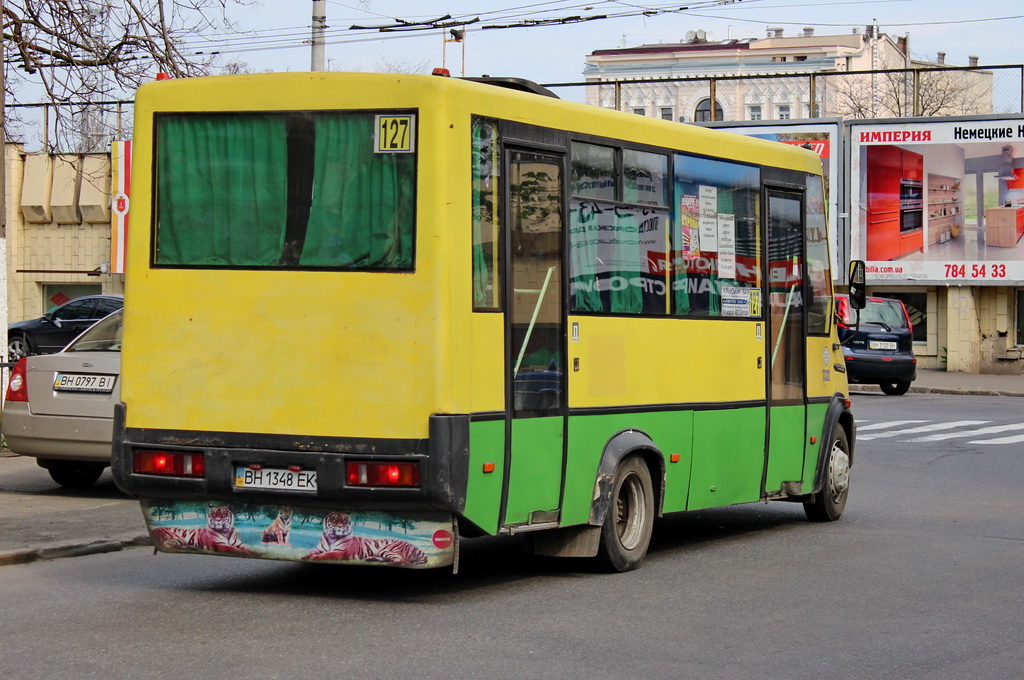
[58, 230]
[776, 78]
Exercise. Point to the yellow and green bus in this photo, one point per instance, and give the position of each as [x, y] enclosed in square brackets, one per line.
[370, 314]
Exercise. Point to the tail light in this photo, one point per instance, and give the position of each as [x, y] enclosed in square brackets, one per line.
[17, 388]
[361, 473]
[843, 312]
[171, 463]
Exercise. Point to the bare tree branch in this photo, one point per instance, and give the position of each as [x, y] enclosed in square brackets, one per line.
[82, 51]
[892, 93]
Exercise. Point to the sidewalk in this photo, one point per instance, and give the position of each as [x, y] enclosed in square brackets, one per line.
[940, 382]
[39, 520]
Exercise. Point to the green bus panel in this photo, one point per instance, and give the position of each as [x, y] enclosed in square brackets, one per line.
[728, 457]
[535, 472]
[483, 490]
[787, 446]
[815, 428]
[672, 432]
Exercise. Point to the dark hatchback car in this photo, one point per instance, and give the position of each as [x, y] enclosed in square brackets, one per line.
[54, 330]
[881, 349]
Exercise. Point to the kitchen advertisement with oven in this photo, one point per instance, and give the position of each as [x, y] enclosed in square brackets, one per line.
[938, 200]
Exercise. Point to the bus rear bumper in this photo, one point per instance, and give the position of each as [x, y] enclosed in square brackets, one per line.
[416, 540]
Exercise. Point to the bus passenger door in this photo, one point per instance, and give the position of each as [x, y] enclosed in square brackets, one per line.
[534, 339]
[786, 384]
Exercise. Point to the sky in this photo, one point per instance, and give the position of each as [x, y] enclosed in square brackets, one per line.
[275, 33]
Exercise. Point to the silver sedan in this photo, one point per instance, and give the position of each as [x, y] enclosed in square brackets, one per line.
[60, 407]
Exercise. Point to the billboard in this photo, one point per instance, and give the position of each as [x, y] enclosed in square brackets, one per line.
[938, 200]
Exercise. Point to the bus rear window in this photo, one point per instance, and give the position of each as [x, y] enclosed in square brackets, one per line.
[296, 190]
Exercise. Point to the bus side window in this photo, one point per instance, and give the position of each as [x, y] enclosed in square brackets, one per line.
[486, 223]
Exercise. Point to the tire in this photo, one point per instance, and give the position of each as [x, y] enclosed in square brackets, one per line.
[626, 532]
[18, 347]
[895, 389]
[828, 504]
[74, 474]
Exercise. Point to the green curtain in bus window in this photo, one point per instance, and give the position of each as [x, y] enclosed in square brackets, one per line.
[363, 209]
[485, 214]
[584, 295]
[221, 190]
[607, 259]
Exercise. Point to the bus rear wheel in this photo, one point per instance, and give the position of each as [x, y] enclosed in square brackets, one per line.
[828, 504]
[626, 532]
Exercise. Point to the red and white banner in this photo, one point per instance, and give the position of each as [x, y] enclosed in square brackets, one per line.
[121, 182]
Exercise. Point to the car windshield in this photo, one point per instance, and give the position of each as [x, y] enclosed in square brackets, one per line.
[103, 336]
[883, 313]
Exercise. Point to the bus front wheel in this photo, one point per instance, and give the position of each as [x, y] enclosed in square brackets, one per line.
[626, 532]
[828, 504]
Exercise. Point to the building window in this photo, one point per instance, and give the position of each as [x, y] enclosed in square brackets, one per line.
[640, 112]
[754, 113]
[666, 113]
[703, 112]
[784, 112]
[800, 58]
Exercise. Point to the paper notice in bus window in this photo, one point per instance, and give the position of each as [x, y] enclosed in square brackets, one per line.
[726, 246]
[735, 301]
[394, 134]
[709, 218]
[689, 220]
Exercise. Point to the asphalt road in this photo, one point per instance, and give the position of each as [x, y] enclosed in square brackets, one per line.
[920, 579]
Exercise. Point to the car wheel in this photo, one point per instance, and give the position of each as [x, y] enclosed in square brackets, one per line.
[895, 389]
[828, 504]
[17, 347]
[626, 532]
[74, 474]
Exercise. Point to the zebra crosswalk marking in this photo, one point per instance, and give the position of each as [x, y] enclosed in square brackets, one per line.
[995, 429]
[891, 423]
[1015, 439]
[932, 427]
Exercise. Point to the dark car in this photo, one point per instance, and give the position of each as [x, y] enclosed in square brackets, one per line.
[881, 349]
[54, 330]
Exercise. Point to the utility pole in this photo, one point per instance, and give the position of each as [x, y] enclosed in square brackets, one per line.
[874, 67]
[3, 205]
[317, 38]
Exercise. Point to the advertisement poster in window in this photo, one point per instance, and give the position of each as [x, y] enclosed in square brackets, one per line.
[824, 140]
[939, 200]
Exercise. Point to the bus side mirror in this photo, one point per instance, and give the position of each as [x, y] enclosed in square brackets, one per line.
[858, 291]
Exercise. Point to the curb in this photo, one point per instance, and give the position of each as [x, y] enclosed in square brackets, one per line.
[967, 392]
[53, 551]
